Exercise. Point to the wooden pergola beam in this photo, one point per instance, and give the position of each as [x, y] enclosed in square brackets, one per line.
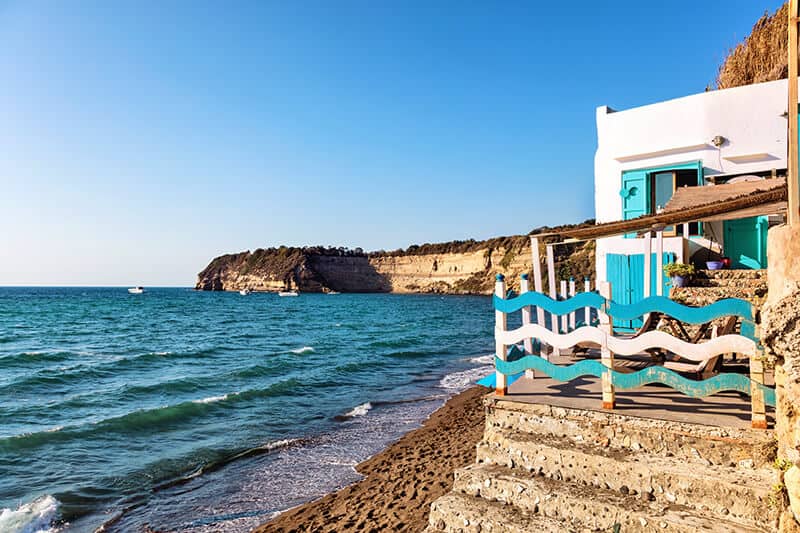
[792, 178]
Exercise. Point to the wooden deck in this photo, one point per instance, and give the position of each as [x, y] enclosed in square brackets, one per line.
[725, 409]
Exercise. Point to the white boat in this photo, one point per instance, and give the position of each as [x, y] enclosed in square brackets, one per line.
[334, 292]
[244, 292]
[136, 290]
[287, 293]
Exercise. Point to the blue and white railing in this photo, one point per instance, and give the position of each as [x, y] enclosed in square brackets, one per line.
[568, 336]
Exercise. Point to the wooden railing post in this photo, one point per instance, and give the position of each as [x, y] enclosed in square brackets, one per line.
[587, 311]
[758, 411]
[551, 282]
[606, 355]
[501, 324]
[648, 258]
[537, 285]
[526, 319]
[660, 262]
[564, 296]
[572, 295]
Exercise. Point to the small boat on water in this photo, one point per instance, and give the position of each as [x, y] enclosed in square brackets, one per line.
[333, 292]
[244, 292]
[136, 290]
[288, 293]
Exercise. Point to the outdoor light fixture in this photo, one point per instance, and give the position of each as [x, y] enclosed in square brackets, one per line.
[718, 141]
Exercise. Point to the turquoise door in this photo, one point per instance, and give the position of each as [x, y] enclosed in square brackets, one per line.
[746, 242]
[626, 275]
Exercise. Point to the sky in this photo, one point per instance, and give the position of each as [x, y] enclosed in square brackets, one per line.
[138, 140]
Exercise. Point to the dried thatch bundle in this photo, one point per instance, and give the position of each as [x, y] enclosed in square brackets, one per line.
[762, 55]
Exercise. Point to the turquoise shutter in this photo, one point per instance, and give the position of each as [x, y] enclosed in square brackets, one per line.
[635, 193]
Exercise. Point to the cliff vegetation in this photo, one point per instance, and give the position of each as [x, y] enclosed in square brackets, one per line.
[459, 267]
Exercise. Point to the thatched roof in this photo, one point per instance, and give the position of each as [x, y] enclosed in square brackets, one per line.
[692, 204]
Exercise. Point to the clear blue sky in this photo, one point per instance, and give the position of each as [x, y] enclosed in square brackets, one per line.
[138, 140]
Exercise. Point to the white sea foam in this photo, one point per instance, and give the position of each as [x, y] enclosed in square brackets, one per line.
[212, 399]
[162, 353]
[359, 410]
[483, 359]
[32, 517]
[303, 350]
[458, 381]
[279, 444]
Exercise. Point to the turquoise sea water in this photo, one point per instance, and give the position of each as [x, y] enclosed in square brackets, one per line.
[195, 411]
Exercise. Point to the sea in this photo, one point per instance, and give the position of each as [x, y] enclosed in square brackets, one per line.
[181, 410]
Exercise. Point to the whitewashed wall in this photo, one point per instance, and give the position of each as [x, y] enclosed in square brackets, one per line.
[678, 131]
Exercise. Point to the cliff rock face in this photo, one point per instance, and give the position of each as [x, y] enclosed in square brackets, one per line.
[466, 267]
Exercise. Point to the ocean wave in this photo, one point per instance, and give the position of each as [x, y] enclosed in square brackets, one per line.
[36, 516]
[482, 359]
[359, 410]
[303, 350]
[65, 376]
[458, 381]
[25, 358]
[144, 420]
[212, 399]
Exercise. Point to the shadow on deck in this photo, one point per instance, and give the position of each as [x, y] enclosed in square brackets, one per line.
[725, 409]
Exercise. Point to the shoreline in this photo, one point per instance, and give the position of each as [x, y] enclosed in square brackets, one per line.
[401, 481]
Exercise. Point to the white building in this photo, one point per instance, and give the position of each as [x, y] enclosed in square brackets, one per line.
[645, 153]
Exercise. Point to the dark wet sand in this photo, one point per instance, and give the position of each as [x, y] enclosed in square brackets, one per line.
[400, 482]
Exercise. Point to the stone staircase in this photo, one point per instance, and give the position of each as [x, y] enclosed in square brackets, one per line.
[708, 286]
[548, 469]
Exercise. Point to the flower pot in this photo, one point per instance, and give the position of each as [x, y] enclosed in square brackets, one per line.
[679, 281]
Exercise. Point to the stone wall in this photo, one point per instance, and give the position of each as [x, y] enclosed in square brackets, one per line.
[780, 334]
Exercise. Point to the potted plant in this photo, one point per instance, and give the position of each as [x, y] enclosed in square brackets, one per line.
[678, 273]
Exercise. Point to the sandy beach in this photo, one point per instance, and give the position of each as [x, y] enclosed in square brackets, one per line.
[400, 482]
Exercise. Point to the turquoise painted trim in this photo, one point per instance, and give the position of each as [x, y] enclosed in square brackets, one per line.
[538, 299]
[491, 380]
[684, 313]
[653, 374]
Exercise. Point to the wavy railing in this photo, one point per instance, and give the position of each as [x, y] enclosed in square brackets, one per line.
[618, 345]
[662, 304]
[563, 334]
[653, 374]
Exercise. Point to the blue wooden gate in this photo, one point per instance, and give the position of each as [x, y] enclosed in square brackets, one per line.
[626, 275]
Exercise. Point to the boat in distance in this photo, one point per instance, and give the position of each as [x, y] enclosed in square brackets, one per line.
[136, 290]
[288, 293]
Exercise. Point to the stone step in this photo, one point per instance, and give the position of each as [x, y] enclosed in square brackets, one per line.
[694, 443]
[734, 274]
[593, 508]
[729, 493]
[462, 513]
[724, 283]
[701, 296]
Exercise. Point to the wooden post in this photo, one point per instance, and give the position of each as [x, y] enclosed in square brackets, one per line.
[587, 311]
[551, 282]
[571, 295]
[758, 411]
[685, 230]
[500, 324]
[537, 283]
[564, 318]
[606, 355]
[648, 261]
[526, 319]
[791, 181]
[660, 262]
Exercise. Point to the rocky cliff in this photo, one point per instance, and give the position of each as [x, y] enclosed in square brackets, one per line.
[458, 267]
